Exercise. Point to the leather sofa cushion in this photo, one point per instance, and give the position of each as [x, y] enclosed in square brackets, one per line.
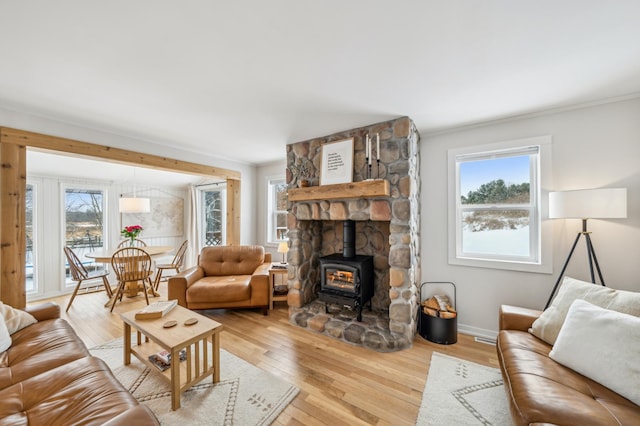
[38, 348]
[220, 289]
[81, 392]
[543, 391]
[230, 260]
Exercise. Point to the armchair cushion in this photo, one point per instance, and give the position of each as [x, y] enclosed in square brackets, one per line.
[221, 289]
[231, 260]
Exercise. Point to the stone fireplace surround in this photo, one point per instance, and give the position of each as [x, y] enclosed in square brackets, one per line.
[387, 228]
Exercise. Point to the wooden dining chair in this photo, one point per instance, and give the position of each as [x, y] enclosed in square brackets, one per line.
[80, 274]
[131, 265]
[136, 243]
[175, 264]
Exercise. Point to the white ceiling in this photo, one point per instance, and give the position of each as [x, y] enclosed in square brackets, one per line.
[240, 79]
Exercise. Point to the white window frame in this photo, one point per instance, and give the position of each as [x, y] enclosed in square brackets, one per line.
[272, 213]
[540, 229]
[67, 283]
[222, 187]
[38, 239]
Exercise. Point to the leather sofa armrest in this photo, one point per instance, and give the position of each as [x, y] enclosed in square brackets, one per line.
[267, 257]
[260, 286]
[44, 311]
[263, 269]
[179, 283]
[517, 318]
[138, 415]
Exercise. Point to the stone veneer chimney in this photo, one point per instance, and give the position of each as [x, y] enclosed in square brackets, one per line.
[387, 227]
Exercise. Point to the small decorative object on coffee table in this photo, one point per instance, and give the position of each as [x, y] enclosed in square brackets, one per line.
[156, 310]
[200, 341]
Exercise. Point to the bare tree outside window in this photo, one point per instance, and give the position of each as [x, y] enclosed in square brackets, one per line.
[84, 223]
[213, 217]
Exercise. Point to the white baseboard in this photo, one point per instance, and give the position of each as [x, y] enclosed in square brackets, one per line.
[478, 332]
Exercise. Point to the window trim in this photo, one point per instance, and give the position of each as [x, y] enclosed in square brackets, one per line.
[222, 187]
[65, 283]
[272, 181]
[37, 238]
[543, 232]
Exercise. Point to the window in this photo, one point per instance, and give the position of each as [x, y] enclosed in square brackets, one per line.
[214, 204]
[277, 210]
[83, 224]
[496, 210]
[31, 229]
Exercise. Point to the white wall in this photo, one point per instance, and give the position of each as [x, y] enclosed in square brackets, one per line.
[597, 146]
[33, 123]
[265, 172]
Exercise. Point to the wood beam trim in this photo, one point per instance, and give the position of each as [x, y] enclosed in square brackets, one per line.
[233, 212]
[12, 224]
[54, 143]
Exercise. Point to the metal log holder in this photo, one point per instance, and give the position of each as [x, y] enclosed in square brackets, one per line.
[443, 331]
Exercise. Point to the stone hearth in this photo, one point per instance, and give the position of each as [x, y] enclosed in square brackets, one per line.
[387, 228]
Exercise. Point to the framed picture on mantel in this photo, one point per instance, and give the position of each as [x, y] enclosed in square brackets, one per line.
[337, 162]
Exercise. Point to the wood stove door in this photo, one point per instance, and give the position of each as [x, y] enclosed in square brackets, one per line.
[340, 278]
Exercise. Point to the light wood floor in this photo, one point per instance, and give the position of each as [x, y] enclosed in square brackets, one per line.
[340, 384]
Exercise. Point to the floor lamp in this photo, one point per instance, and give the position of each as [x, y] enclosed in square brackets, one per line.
[605, 203]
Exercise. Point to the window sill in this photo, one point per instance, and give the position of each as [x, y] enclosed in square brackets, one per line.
[502, 264]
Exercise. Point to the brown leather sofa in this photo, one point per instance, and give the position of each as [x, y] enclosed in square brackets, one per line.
[225, 277]
[541, 391]
[48, 376]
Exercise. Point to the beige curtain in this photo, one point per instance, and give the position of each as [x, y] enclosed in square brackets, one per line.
[193, 227]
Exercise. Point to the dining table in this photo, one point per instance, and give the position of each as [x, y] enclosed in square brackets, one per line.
[132, 289]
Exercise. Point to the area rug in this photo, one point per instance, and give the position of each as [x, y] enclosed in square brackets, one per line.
[460, 392]
[245, 395]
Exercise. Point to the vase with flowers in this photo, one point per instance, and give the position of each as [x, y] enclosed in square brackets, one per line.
[131, 232]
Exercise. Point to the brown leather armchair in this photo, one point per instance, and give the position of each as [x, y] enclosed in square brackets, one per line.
[225, 277]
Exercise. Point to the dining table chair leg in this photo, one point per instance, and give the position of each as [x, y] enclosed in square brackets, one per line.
[107, 286]
[73, 295]
[118, 294]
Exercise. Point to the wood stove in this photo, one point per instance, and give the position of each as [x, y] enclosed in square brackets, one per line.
[346, 278]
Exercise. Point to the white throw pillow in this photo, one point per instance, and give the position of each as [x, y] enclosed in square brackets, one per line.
[548, 325]
[15, 319]
[5, 337]
[602, 345]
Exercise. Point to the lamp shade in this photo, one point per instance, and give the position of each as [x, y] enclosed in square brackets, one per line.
[283, 247]
[604, 203]
[134, 205]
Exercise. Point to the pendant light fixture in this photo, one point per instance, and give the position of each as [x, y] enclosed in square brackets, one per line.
[134, 204]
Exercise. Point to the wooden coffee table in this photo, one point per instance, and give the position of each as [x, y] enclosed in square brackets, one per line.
[201, 341]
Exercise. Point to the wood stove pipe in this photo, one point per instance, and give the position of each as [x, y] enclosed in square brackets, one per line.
[349, 239]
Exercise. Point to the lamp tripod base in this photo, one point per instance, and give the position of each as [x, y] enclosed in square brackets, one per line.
[593, 260]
